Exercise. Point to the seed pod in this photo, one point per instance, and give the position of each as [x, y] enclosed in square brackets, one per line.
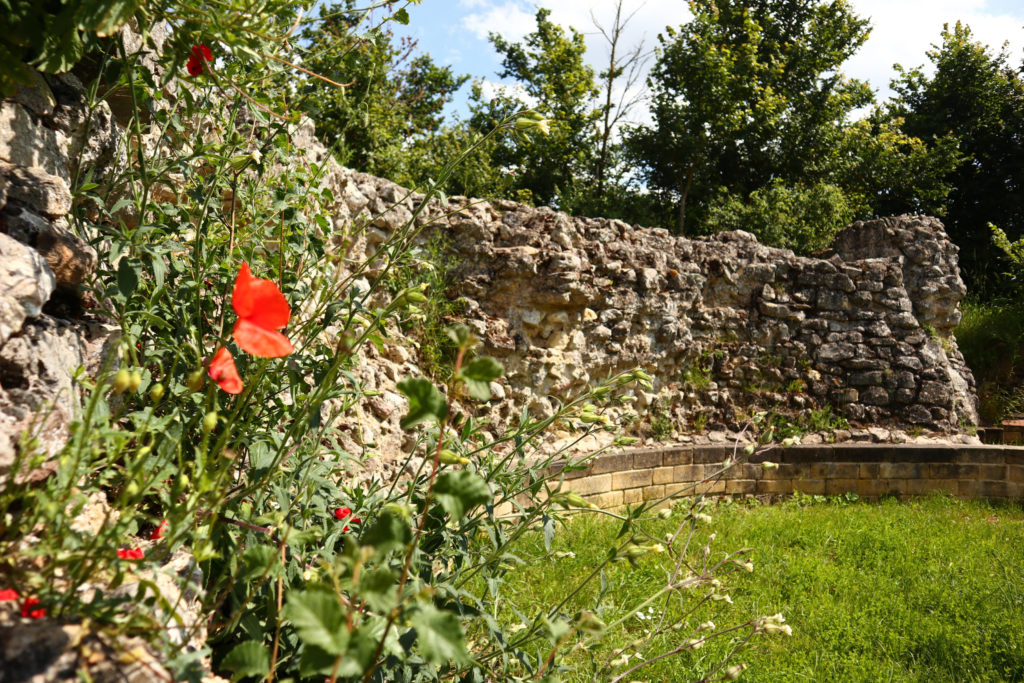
[210, 421]
[122, 380]
[134, 381]
[195, 381]
[156, 392]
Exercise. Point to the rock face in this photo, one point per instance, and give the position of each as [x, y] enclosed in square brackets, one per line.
[46, 135]
[726, 325]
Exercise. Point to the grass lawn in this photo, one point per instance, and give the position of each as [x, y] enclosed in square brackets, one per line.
[931, 590]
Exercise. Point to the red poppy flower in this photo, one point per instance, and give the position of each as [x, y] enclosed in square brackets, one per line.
[158, 532]
[344, 513]
[224, 373]
[130, 553]
[262, 311]
[30, 608]
[200, 54]
[8, 595]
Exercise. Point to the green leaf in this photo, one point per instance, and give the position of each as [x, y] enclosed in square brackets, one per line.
[256, 560]
[127, 277]
[401, 16]
[460, 490]
[250, 658]
[556, 628]
[104, 18]
[390, 530]
[440, 636]
[379, 588]
[361, 653]
[478, 375]
[316, 661]
[425, 402]
[319, 619]
[459, 334]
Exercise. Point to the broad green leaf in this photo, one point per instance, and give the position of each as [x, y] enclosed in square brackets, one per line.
[390, 530]
[363, 648]
[251, 658]
[379, 588]
[478, 375]
[458, 491]
[459, 334]
[256, 560]
[107, 17]
[319, 619]
[127, 277]
[440, 636]
[316, 661]
[425, 402]
[401, 16]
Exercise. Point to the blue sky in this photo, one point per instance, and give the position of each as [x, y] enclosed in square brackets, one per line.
[455, 31]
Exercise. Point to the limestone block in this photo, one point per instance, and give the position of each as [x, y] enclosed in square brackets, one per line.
[26, 283]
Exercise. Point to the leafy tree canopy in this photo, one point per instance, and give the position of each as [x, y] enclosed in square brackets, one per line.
[977, 96]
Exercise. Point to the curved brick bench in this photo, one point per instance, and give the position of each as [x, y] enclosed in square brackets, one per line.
[869, 470]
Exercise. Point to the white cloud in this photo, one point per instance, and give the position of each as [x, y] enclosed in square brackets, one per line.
[510, 19]
[492, 89]
[904, 30]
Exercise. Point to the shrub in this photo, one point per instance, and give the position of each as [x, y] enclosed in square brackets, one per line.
[804, 219]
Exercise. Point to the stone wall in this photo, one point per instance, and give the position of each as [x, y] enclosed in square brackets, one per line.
[726, 325]
[47, 135]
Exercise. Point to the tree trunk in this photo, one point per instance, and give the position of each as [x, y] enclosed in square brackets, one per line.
[685, 183]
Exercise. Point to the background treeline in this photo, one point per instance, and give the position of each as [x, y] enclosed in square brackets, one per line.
[753, 125]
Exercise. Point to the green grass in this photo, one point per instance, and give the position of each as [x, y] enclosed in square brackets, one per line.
[931, 590]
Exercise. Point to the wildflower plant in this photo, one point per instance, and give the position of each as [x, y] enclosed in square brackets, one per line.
[214, 429]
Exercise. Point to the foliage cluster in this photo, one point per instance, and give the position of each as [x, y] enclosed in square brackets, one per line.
[990, 337]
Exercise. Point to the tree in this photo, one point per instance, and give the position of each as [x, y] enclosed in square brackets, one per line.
[390, 96]
[557, 83]
[745, 94]
[625, 67]
[978, 97]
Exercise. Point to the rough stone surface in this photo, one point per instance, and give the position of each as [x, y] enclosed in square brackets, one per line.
[26, 283]
[37, 395]
[726, 325]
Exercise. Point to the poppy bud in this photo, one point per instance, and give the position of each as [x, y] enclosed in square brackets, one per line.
[589, 623]
[134, 381]
[195, 381]
[571, 499]
[448, 457]
[156, 392]
[210, 421]
[122, 381]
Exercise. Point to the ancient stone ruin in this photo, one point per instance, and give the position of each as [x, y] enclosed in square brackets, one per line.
[728, 327]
